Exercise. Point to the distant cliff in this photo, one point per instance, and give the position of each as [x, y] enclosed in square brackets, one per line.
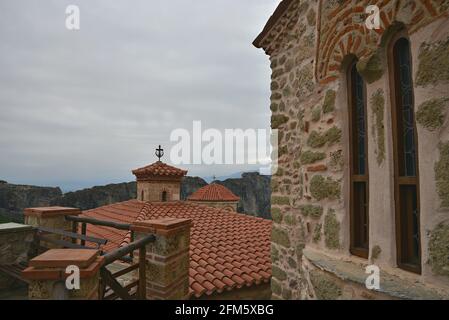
[190, 184]
[104, 195]
[253, 190]
[14, 198]
[97, 196]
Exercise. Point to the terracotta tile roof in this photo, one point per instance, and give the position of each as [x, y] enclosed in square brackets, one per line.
[159, 169]
[213, 192]
[125, 212]
[227, 251]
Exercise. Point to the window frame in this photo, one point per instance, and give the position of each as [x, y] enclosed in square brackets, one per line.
[398, 179]
[355, 249]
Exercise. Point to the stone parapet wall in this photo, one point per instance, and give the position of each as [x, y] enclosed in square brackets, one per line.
[339, 277]
[16, 243]
[17, 246]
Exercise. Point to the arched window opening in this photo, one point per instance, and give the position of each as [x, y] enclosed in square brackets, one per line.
[406, 174]
[358, 150]
[142, 195]
[164, 196]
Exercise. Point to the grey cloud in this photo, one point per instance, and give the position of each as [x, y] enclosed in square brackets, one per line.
[86, 107]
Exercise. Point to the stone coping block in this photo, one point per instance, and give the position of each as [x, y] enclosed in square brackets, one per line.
[61, 258]
[46, 212]
[390, 284]
[14, 227]
[33, 273]
[164, 226]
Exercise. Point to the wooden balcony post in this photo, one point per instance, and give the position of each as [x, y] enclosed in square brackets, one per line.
[167, 258]
[142, 274]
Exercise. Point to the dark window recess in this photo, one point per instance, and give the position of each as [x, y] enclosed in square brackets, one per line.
[359, 163]
[164, 196]
[406, 161]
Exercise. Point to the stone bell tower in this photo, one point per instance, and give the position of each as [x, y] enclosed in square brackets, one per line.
[159, 182]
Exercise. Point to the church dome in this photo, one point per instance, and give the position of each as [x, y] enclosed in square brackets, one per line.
[213, 192]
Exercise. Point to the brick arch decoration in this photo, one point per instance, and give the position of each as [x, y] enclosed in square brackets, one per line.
[229, 208]
[342, 30]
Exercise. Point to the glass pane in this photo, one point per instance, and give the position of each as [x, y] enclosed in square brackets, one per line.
[358, 123]
[407, 161]
[406, 128]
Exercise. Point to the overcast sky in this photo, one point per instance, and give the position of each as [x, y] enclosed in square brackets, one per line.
[82, 108]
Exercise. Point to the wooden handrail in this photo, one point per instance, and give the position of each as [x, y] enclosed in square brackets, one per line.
[62, 243]
[72, 235]
[123, 251]
[116, 225]
[109, 279]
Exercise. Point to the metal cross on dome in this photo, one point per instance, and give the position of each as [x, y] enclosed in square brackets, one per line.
[159, 152]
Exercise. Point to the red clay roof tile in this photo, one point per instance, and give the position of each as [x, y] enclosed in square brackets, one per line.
[198, 289]
[237, 279]
[209, 286]
[228, 282]
[158, 169]
[213, 192]
[227, 251]
[218, 284]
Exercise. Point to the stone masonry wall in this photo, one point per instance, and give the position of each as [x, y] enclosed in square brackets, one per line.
[295, 101]
[308, 48]
[17, 246]
[152, 190]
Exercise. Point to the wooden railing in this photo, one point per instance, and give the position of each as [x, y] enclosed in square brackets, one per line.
[43, 235]
[110, 287]
[85, 220]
